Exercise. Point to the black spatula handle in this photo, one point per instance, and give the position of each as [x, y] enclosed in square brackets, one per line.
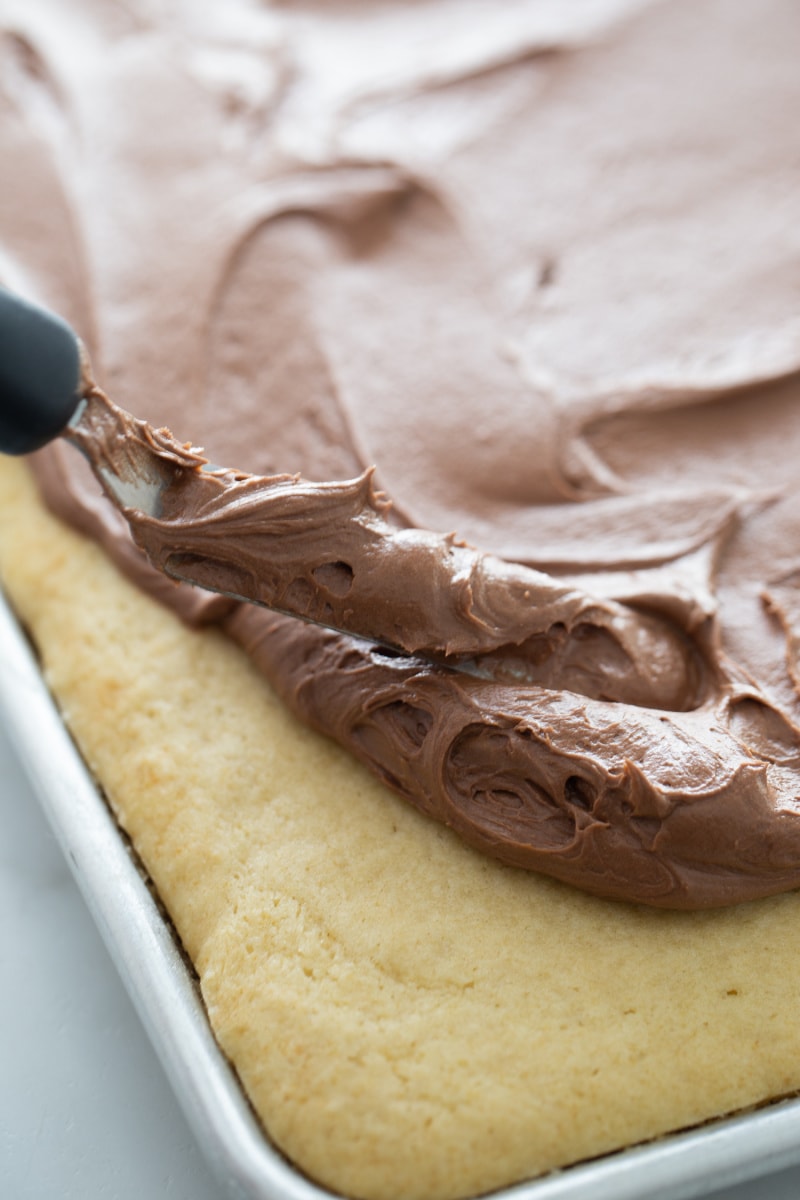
[40, 375]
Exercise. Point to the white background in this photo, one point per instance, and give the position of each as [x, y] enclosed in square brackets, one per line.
[85, 1110]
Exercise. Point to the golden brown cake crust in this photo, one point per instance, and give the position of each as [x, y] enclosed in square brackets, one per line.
[377, 984]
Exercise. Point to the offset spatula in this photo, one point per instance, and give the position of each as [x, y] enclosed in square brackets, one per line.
[41, 368]
[45, 379]
[326, 552]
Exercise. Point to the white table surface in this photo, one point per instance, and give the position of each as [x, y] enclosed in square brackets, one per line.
[85, 1110]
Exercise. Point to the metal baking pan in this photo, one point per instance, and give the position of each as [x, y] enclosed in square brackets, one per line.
[164, 990]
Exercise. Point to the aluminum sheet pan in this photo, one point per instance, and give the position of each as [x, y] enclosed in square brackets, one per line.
[164, 991]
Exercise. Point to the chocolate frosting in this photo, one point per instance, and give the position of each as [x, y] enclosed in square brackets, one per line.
[539, 269]
[327, 553]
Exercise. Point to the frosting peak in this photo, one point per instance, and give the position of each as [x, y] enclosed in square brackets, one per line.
[541, 272]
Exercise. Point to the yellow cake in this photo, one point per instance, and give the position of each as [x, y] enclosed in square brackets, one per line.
[277, 208]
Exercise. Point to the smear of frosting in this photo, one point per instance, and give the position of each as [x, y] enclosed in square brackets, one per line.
[327, 553]
[543, 274]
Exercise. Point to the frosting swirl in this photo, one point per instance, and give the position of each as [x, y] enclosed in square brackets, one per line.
[541, 271]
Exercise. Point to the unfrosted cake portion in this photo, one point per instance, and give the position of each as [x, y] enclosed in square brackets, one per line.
[537, 265]
[377, 984]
